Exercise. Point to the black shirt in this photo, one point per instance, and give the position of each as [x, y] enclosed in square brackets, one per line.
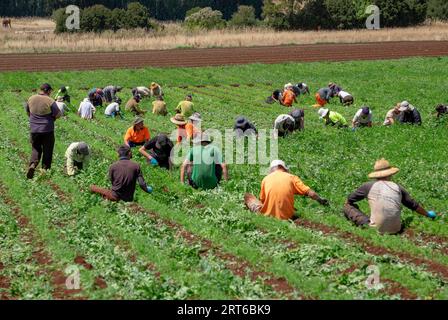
[124, 174]
[162, 154]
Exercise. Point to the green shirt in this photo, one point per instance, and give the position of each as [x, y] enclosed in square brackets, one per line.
[185, 108]
[336, 119]
[204, 160]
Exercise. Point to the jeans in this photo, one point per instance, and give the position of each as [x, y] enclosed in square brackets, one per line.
[42, 145]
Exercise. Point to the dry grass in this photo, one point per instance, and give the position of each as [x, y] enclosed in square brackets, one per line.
[36, 35]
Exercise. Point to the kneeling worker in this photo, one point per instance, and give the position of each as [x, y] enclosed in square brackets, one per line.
[385, 200]
[78, 157]
[277, 193]
[124, 174]
[204, 166]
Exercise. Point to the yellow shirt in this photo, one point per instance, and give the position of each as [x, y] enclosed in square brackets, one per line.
[277, 194]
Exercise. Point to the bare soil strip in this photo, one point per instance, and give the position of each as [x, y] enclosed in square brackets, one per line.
[221, 56]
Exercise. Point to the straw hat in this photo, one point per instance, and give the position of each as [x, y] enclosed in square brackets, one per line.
[178, 119]
[383, 170]
[153, 85]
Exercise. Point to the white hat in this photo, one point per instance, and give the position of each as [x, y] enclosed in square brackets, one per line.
[277, 163]
[323, 112]
[404, 106]
[288, 85]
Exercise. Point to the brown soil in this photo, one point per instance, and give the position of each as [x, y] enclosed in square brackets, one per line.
[393, 288]
[100, 283]
[82, 262]
[431, 266]
[221, 56]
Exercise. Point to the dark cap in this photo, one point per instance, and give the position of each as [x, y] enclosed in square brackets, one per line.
[83, 148]
[365, 110]
[162, 141]
[46, 87]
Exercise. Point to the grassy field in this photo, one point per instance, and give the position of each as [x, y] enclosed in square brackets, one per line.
[31, 35]
[186, 244]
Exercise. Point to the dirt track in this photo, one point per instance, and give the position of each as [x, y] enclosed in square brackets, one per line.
[221, 56]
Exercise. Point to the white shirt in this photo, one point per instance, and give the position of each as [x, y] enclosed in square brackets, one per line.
[143, 91]
[344, 94]
[62, 106]
[278, 124]
[113, 107]
[361, 118]
[86, 109]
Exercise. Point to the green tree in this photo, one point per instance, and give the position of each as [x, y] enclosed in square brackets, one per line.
[206, 18]
[437, 9]
[137, 16]
[95, 18]
[244, 17]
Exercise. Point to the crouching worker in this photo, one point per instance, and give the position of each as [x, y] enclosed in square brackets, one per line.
[277, 193]
[78, 157]
[204, 167]
[441, 110]
[137, 135]
[124, 174]
[385, 199]
[157, 151]
[284, 124]
[299, 119]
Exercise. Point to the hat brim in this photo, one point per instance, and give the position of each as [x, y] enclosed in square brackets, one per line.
[180, 123]
[384, 173]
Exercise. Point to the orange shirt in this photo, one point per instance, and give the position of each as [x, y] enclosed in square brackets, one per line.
[277, 194]
[137, 136]
[288, 98]
[192, 131]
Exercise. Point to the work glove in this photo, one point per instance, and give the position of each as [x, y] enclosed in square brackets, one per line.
[431, 214]
[324, 202]
[149, 189]
[153, 162]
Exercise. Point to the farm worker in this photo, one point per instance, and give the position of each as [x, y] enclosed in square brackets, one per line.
[179, 121]
[409, 114]
[204, 166]
[385, 198]
[288, 97]
[143, 91]
[276, 96]
[86, 109]
[113, 109]
[133, 106]
[159, 106]
[124, 174]
[323, 97]
[301, 89]
[62, 106]
[155, 90]
[335, 89]
[42, 112]
[193, 128]
[110, 93]
[299, 119]
[345, 98]
[441, 110]
[392, 116]
[362, 118]
[98, 97]
[284, 124]
[243, 127]
[78, 157]
[157, 151]
[185, 107]
[137, 135]
[277, 193]
[63, 93]
[332, 118]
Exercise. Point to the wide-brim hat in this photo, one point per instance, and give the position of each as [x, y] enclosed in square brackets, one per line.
[196, 117]
[153, 85]
[178, 119]
[241, 122]
[323, 112]
[138, 120]
[383, 169]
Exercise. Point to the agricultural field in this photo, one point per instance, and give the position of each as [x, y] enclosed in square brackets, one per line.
[179, 243]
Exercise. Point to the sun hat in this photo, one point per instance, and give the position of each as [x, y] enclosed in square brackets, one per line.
[323, 112]
[404, 106]
[288, 85]
[178, 119]
[205, 138]
[241, 122]
[83, 148]
[278, 163]
[138, 120]
[382, 169]
[153, 85]
[365, 110]
[196, 117]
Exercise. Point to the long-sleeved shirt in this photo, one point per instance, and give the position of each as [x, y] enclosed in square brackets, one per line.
[86, 109]
[385, 199]
[361, 118]
[110, 90]
[72, 155]
[325, 93]
[124, 174]
[134, 107]
[280, 121]
[335, 119]
[412, 117]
